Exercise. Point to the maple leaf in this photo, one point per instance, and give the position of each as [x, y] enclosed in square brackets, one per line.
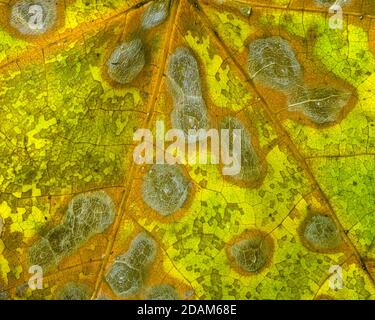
[77, 84]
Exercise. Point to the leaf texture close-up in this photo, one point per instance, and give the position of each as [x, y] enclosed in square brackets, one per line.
[80, 218]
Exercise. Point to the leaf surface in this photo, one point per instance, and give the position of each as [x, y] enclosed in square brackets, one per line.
[67, 129]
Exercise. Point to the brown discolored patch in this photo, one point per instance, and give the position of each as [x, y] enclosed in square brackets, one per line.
[314, 75]
[244, 118]
[154, 274]
[144, 211]
[5, 16]
[314, 72]
[88, 252]
[13, 240]
[259, 238]
[125, 29]
[330, 239]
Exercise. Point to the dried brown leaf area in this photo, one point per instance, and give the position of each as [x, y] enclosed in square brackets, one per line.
[78, 79]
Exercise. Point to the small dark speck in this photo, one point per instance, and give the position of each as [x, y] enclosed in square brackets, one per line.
[196, 6]
[138, 5]
[355, 183]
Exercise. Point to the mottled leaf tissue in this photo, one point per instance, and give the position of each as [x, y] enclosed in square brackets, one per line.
[80, 219]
